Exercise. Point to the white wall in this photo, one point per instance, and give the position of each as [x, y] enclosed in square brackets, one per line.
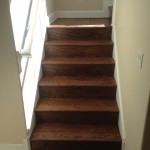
[131, 26]
[12, 119]
[50, 6]
[33, 71]
[19, 13]
[78, 5]
[78, 8]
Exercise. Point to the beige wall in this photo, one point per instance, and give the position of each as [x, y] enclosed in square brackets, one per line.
[12, 120]
[50, 6]
[78, 5]
[132, 34]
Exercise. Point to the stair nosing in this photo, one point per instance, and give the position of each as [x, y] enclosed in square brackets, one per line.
[101, 129]
[78, 42]
[76, 26]
[77, 81]
[79, 60]
[77, 108]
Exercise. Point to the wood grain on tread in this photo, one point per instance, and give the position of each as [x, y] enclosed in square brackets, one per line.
[91, 111]
[74, 104]
[78, 60]
[77, 66]
[77, 81]
[81, 21]
[77, 109]
[103, 70]
[77, 87]
[77, 33]
[55, 91]
[78, 50]
[79, 42]
[75, 132]
[76, 27]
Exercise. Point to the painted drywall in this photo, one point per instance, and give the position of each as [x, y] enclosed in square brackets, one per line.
[12, 147]
[12, 119]
[78, 5]
[50, 6]
[132, 34]
[19, 14]
[19, 11]
[78, 9]
[32, 75]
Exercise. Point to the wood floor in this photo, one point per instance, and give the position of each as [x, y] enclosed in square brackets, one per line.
[82, 21]
[77, 109]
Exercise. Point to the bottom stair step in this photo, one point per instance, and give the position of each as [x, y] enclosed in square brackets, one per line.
[52, 136]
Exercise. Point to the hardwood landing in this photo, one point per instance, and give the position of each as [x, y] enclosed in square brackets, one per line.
[81, 22]
[77, 109]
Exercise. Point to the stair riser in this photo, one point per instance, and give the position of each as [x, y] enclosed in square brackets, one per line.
[78, 92]
[77, 117]
[74, 145]
[79, 70]
[78, 51]
[79, 33]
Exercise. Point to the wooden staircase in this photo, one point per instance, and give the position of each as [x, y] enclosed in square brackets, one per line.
[77, 109]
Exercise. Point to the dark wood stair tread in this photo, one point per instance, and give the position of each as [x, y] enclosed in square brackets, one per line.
[79, 42]
[78, 60]
[74, 104]
[77, 81]
[75, 132]
[79, 33]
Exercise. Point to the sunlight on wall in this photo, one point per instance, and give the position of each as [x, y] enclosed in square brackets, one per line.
[32, 74]
[29, 92]
[30, 66]
[19, 11]
[24, 63]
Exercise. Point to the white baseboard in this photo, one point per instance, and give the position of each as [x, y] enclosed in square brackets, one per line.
[52, 17]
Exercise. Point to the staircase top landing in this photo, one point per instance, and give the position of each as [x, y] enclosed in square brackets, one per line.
[81, 22]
